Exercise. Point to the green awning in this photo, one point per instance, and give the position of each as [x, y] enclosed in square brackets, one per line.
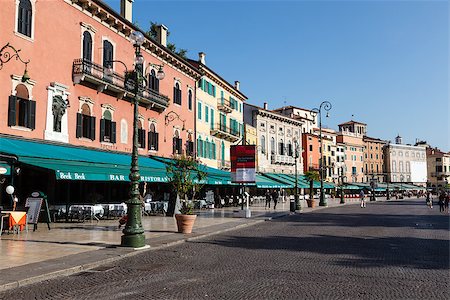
[75, 163]
[263, 182]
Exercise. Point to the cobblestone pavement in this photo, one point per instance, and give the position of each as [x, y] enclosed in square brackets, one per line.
[389, 250]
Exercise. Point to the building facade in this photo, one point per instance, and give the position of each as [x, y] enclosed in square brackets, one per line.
[219, 118]
[351, 135]
[278, 138]
[438, 168]
[405, 163]
[79, 94]
[374, 159]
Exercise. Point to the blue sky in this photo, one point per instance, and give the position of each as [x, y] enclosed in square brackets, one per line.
[384, 62]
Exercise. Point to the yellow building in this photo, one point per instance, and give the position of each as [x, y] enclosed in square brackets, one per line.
[219, 116]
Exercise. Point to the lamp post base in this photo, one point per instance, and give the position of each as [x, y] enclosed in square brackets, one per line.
[322, 201]
[133, 240]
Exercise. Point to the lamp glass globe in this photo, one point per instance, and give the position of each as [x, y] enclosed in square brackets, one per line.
[10, 189]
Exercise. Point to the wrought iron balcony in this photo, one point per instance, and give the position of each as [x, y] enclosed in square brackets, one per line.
[226, 133]
[224, 105]
[90, 74]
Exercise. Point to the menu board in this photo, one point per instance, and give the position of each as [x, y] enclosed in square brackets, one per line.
[34, 208]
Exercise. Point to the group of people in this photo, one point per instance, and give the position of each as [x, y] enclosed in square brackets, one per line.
[271, 196]
[443, 200]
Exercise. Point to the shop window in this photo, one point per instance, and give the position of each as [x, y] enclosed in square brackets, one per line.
[85, 123]
[21, 110]
[107, 128]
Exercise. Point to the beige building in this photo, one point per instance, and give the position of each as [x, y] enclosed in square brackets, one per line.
[405, 163]
[374, 159]
[309, 119]
[277, 138]
[219, 116]
[351, 135]
[329, 153]
[438, 166]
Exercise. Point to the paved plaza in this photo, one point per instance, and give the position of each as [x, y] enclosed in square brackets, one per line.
[389, 250]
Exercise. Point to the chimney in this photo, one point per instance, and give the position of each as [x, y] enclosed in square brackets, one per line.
[201, 57]
[161, 34]
[126, 9]
[237, 85]
[266, 107]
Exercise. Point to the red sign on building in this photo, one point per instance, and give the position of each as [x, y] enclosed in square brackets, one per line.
[243, 163]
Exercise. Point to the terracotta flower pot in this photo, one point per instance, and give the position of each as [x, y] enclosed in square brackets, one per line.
[185, 222]
[311, 203]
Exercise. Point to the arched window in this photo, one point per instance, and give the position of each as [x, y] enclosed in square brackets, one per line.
[21, 110]
[213, 149]
[108, 54]
[141, 135]
[190, 101]
[25, 15]
[107, 128]
[177, 143]
[177, 94]
[400, 166]
[87, 46]
[263, 144]
[153, 138]
[199, 147]
[153, 81]
[272, 145]
[407, 167]
[394, 166]
[85, 123]
[290, 152]
[190, 145]
[281, 147]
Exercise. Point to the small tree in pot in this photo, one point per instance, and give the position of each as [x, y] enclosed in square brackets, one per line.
[311, 176]
[186, 177]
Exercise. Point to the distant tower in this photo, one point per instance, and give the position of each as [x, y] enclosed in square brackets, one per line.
[398, 140]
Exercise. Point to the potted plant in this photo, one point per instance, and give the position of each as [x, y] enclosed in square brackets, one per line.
[311, 176]
[186, 179]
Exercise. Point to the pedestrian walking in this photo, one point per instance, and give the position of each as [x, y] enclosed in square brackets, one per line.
[275, 199]
[362, 198]
[447, 199]
[441, 201]
[268, 198]
[429, 200]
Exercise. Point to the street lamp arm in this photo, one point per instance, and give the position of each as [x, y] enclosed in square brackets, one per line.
[116, 61]
[7, 53]
[172, 116]
[325, 105]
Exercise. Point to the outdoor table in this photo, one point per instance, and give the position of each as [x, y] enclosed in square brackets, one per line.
[156, 206]
[17, 219]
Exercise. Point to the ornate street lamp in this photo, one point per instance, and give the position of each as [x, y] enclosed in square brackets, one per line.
[7, 53]
[296, 205]
[342, 177]
[170, 117]
[133, 233]
[314, 112]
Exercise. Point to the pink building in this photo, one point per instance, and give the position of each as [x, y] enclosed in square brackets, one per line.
[72, 98]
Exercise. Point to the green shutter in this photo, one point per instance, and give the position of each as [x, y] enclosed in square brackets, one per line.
[206, 114]
[221, 97]
[199, 113]
[212, 118]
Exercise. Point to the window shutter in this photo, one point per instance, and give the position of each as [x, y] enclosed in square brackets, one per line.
[92, 135]
[79, 130]
[212, 118]
[113, 132]
[143, 139]
[179, 97]
[102, 130]
[12, 111]
[156, 140]
[214, 150]
[174, 95]
[150, 140]
[31, 114]
[174, 145]
[180, 146]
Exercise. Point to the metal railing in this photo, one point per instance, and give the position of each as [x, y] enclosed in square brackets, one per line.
[98, 74]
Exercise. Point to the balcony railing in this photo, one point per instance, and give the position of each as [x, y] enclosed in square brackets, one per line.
[282, 159]
[91, 74]
[226, 133]
[224, 105]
